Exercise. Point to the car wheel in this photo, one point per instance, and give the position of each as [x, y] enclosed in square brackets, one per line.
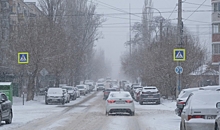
[9, 120]
[140, 102]
[0, 118]
[216, 126]
[132, 113]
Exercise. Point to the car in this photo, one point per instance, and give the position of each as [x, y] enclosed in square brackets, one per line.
[199, 112]
[107, 91]
[137, 94]
[82, 89]
[54, 95]
[215, 88]
[66, 96]
[6, 113]
[149, 94]
[71, 91]
[77, 92]
[181, 99]
[120, 102]
[134, 85]
[100, 86]
[217, 119]
[133, 91]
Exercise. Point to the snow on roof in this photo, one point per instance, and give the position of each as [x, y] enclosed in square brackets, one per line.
[5, 83]
[204, 70]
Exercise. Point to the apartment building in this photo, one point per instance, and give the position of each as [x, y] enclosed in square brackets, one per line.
[216, 31]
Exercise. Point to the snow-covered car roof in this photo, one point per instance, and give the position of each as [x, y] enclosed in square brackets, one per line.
[210, 88]
[150, 89]
[186, 92]
[205, 99]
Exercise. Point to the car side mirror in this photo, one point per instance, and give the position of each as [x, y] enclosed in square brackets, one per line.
[218, 105]
[3, 100]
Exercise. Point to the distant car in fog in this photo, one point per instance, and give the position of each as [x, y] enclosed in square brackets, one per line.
[149, 94]
[107, 91]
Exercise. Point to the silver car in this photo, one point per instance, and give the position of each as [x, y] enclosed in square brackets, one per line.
[120, 102]
[200, 111]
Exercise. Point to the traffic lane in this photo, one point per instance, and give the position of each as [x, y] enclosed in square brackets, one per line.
[91, 115]
[158, 117]
[54, 118]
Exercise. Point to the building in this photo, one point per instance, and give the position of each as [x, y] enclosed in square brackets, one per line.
[216, 31]
[22, 11]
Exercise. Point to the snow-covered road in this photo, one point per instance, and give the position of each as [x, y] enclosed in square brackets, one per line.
[84, 114]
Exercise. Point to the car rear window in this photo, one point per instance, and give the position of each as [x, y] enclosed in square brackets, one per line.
[149, 88]
[110, 90]
[120, 95]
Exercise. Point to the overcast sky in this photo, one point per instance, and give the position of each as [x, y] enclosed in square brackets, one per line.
[116, 29]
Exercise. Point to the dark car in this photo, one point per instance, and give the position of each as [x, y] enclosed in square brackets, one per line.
[5, 109]
[107, 91]
[149, 94]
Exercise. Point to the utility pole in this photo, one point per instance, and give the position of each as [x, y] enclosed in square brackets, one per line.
[179, 44]
[130, 27]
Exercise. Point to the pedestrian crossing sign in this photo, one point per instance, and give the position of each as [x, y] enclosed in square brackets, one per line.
[179, 55]
[23, 58]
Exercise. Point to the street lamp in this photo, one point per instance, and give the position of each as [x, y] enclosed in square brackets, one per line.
[161, 20]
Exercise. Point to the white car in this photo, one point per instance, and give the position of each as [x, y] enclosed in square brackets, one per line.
[54, 95]
[200, 111]
[100, 86]
[82, 89]
[217, 119]
[77, 92]
[215, 88]
[66, 96]
[120, 102]
[181, 99]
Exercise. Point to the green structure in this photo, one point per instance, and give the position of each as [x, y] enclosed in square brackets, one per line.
[6, 87]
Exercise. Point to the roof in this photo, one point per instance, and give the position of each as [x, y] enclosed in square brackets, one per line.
[5, 83]
[204, 70]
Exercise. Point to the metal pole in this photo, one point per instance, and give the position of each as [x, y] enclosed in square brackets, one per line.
[219, 74]
[130, 25]
[179, 44]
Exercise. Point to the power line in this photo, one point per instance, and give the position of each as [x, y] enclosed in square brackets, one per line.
[196, 9]
[196, 21]
[172, 11]
[117, 9]
[197, 4]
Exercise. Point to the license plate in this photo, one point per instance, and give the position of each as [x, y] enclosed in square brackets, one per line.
[150, 96]
[210, 117]
[120, 102]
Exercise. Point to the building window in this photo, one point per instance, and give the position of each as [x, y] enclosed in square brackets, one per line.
[216, 48]
[216, 28]
[216, 7]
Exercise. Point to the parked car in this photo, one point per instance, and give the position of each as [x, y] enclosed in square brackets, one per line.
[200, 111]
[217, 119]
[120, 102]
[133, 91]
[6, 113]
[100, 86]
[149, 94]
[82, 89]
[181, 99]
[66, 96]
[87, 88]
[77, 92]
[107, 91]
[137, 94]
[71, 91]
[134, 85]
[215, 88]
[54, 95]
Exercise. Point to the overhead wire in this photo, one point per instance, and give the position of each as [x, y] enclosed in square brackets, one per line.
[195, 10]
[172, 12]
